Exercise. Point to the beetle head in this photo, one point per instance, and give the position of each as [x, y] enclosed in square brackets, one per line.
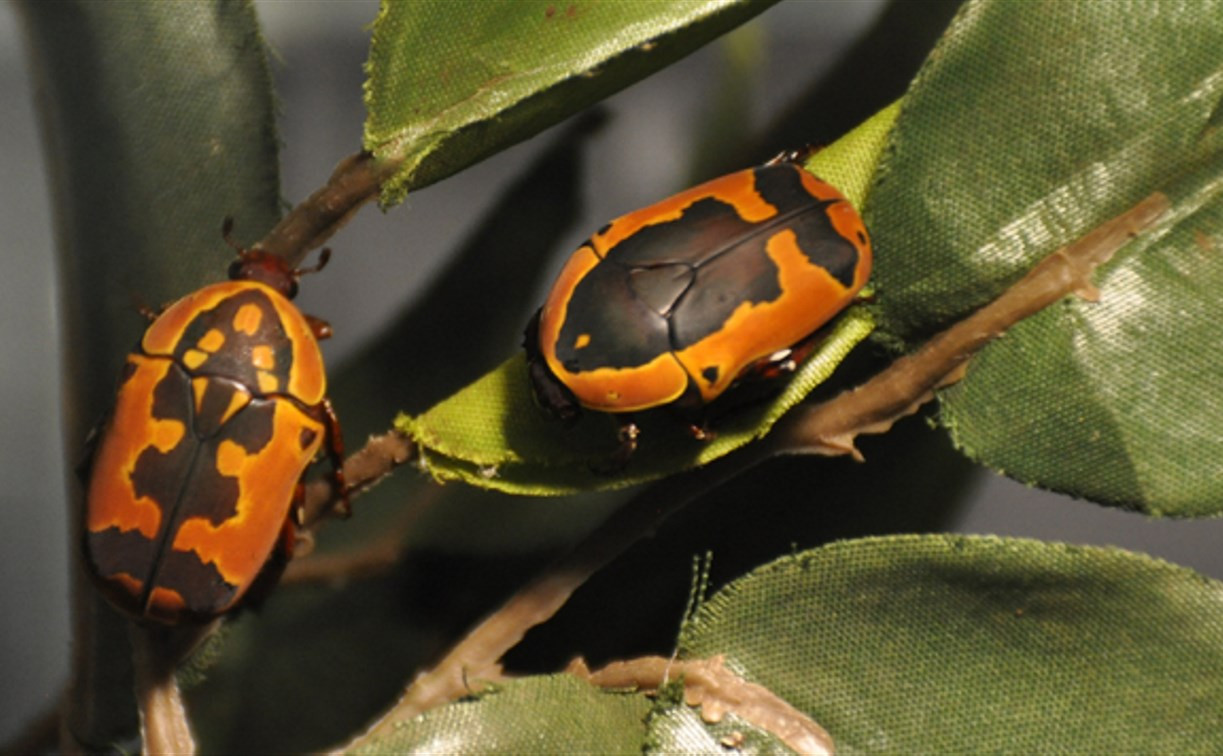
[265, 267]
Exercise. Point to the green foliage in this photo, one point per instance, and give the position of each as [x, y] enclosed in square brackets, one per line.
[1030, 124]
[452, 83]
[541, 715]
[938, 644]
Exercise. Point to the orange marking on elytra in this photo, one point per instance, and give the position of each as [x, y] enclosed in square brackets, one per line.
[263, 357]
[199, 387]
[112, 498]
[266, 483]
[166, 601]
[268, 383]
[193, 358]
[128, 583]
[212, 341]
[247, 319]
[240, 399]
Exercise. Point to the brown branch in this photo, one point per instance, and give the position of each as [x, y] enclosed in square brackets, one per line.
[362, 470]
[718, 691]
[829, 427]
[475, 659]
[355, 181]
[156, 654]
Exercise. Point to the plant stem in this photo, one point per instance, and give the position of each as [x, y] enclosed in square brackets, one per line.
[156, 653]
[718, 691]
[355, 181]
[831, 427]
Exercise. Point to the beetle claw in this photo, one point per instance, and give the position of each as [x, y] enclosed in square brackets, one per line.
[627, 436]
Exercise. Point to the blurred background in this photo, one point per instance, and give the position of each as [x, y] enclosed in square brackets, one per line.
[660, 136]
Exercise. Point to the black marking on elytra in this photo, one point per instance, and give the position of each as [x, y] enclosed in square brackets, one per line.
[129, 369]
[210, 494]
[700, 233]
[201, 585]
[710, 374]
[158, 475]
[186, 483]
[623, 329]
[672, 284]
[234, 359]
[627, 303]
[206, 493]
[307, 437]
[660, 287]
[722, 285]
[112, 551]
[781, 186]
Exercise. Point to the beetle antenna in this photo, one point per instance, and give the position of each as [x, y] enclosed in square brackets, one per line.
[227, 229]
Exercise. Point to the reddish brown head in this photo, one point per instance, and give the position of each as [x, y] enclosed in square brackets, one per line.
[267, 268]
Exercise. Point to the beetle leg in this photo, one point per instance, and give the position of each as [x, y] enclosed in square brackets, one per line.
[335, 453]
[295, 521]
[227, 231]
[794, 156]
[701, 431]
[320, 327]
[323, 257]
[550, 394]
[627, 436]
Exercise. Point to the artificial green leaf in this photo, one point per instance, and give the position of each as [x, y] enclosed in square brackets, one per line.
[453, 82]
[490, 434]
[1032, 123]
[159, 123]
[681, 730]
[940, 644]
[559, 714]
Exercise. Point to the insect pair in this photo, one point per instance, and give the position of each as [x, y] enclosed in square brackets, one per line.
[222, 406]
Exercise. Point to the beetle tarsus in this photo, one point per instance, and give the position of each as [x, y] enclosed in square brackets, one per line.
[550, 394]
[335, 453]
[627, 435]
[701, 432]
[321, 328]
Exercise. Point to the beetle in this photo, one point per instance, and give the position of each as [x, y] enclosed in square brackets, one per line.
[195, 480]
[675, 303]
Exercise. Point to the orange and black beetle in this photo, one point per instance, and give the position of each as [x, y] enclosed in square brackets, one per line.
[675, 303]
[196, 476]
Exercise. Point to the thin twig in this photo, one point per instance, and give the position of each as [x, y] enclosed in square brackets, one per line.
[829, 427]
[355, 181]
[718, 691]
[475, 659]
[362, 470]
[156, 653]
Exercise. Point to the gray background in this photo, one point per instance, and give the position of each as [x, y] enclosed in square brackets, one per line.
[320, 47]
